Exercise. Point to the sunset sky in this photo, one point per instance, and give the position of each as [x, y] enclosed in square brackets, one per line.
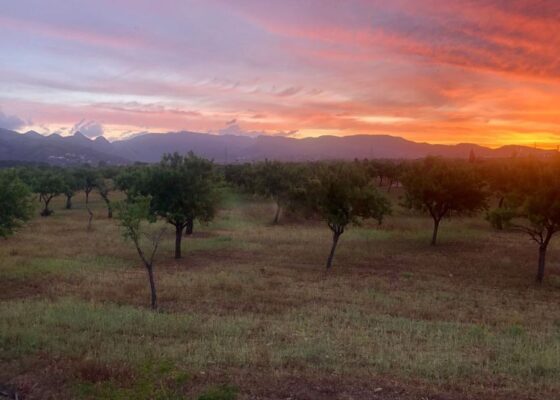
[483, 71]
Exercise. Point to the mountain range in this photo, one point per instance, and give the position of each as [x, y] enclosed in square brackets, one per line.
[78, 149]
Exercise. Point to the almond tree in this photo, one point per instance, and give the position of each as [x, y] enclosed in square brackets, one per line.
[131, 215]
[87, 177]
[442, 187]
[71, 186]
[342, 194]
[534, 207]
[16, 204]
[48, 184]
[104, 187]
[276, 180]
[182, 189]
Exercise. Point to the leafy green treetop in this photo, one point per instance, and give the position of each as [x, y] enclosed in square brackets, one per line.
[534, 207]
[442, 187]
[183, 189]
[87, 177]
[132, 214]
[16, 204]
[277, 180]
[48, 184]
[342, 194]
[71, 185]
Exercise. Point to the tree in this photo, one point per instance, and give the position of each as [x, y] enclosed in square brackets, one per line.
[104, 187]
[129, 180]
[131, 215]
[182, 189]
[533, 207]
[71, 185]
[241, 176]
[16, 204]
[48, 184]
[87, 177]
[342, 194]
[442, 187]
[276, 180]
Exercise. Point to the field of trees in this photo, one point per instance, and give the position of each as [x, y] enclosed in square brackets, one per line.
[427, 279]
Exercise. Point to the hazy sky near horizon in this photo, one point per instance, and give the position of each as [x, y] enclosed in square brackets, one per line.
[483, 71]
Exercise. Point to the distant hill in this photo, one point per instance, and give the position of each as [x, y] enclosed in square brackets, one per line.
[55, 149]
[78, 149]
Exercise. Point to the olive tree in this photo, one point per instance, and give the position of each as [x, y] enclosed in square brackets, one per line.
[16, 204]
[48, 184]
[342, 194]
[534, 208]
[87, 177]
[104, 187]
[182, 189]
[443, 187]
[71, 186]
[277, 181]
[132, 214]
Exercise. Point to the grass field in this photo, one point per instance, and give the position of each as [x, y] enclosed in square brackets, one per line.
[250, 312]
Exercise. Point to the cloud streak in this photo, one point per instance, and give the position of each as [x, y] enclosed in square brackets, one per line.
[471, 70]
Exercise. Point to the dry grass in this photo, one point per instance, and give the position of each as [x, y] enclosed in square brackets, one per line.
[250, 305]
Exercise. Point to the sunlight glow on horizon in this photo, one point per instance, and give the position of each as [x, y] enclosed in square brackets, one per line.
[456, 72]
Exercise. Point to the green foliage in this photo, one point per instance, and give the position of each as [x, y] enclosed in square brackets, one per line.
[183, 188]
[536, 209]
[241, 176]
[87, 176]
[131, 214]
[500, 218]
[48, 184]
[279, 182]
[276, 180]
[443, 187]
[71, 182]
[105, 186]
[129, 180]
[16, 205]
[342, 194]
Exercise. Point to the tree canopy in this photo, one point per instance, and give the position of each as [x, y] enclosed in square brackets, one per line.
[182, 189]
[443, 187]
[342, 194]
[48, 184]
[533, 206]
[16, 204]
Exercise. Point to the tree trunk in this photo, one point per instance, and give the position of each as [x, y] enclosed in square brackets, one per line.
[87, 197]
[336, 236]
[68, 202]
[434, 235]
[46, 212]
[501, 202]
[178, 237]
[152, 286]
[542, 257]
[90, 217]
[277, 215]
[109, 208]
[189, 227]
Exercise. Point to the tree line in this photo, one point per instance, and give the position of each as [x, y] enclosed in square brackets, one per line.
[516, 194]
